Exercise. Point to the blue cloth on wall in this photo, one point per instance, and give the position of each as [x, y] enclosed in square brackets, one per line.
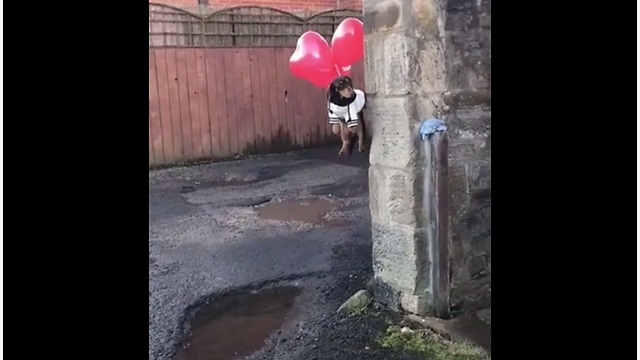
[429, 127]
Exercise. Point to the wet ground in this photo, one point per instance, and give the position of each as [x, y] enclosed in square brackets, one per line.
[297, 220]
[257, 255]
[238, 324]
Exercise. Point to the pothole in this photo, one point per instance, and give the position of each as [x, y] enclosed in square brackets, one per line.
[305, 210]
[237, 325]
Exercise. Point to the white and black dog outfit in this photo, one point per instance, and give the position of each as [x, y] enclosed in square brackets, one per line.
[344, 109]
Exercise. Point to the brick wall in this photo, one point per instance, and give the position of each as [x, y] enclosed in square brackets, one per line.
[313, 6]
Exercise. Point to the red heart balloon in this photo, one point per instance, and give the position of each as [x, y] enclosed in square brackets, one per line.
[347, 42]
[313, 60]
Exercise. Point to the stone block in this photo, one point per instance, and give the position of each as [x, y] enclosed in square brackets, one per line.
[466, 42]
[433, 72]
[416, 304]
[461, 98]
[404, 196]
[464, 150]
[400, 257]
[373, 64]
[385, 293]
[401, 75]
[377, 195]
[479, 174]
[458, 189]
[394, 143]
[431, 105]
[428, 18]
[382, 15]
[485, 6]
[485, 20]
[394, 195]
[475, 120]
[469, 74]
[462, 20]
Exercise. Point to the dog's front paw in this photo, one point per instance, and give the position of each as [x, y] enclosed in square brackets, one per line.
[361, 148]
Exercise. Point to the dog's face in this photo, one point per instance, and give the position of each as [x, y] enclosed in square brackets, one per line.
[344, 85]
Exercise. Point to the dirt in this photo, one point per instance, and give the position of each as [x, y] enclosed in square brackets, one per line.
[237, 325]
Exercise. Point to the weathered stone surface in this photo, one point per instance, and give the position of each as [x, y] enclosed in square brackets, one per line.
[457, 99]
[385, 293]
[381, 15]
[432, 68]
[471, 249]
[462, 19]
[416, 304]
[431, 106]
[401, 75]
[468, 57]
[396, 131]
[429, 58]
[458, 189]
[427, 19]
[397, 258]
[471, 119]
[376, 194]
[403, 200]
[485, 20]
[373, 64]
[465, 149]
[479, 174]
[356, 303]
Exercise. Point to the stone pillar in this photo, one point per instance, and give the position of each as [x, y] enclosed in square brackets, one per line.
[424, 59]
[405, 82]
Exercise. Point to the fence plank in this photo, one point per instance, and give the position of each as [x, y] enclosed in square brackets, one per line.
[194, 106]
[174, 103]
[165, 110]
[203, 102]
[286, 124]
[257, 99]
[184, 105]
[316, 102]
[244, 63]
[221, 102]
[229, 72]
[215, 115]
[157, 156]
[276, 94]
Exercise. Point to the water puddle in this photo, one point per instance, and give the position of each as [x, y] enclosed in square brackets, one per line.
[237, 325]
[306, 210]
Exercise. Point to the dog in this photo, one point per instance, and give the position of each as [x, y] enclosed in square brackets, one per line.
[345, 107]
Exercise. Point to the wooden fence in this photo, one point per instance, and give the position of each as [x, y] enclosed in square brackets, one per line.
[219, 84]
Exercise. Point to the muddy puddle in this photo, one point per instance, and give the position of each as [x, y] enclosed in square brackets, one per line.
[306, 210]
[238, 325]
